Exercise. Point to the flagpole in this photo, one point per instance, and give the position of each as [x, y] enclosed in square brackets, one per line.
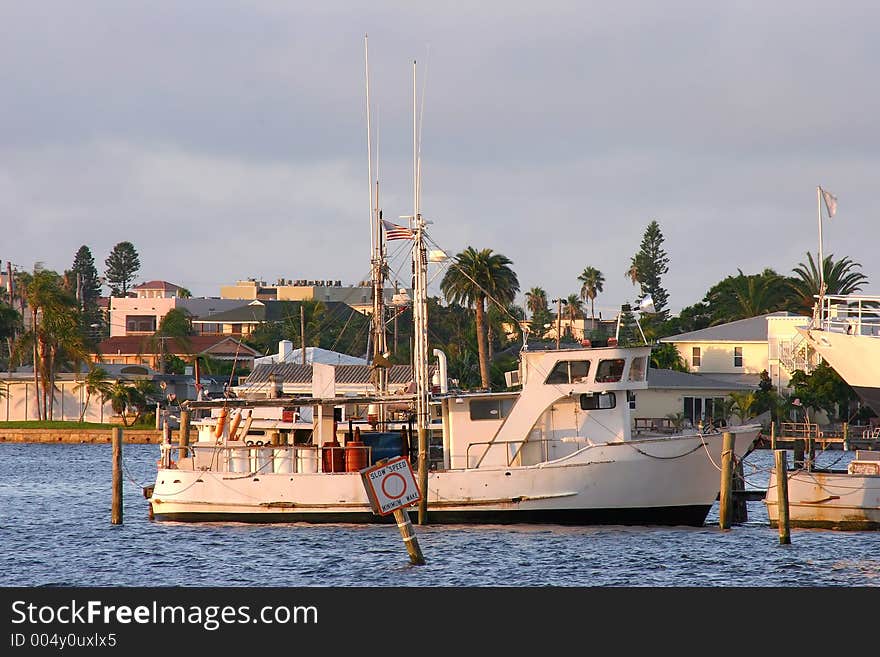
[821, 263]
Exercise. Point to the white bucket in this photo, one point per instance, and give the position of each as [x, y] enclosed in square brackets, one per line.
[261, 460]
[306, 460]
[284, 460]
[238, 460]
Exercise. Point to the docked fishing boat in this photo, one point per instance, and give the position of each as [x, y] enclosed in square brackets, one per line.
[559, 450]
[846, 334]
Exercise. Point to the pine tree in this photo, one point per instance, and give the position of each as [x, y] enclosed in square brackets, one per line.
[122, 265]
[84, 266]
[87, 286]
[648, 265]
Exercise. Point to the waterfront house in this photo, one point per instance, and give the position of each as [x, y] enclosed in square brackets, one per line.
[739, 351]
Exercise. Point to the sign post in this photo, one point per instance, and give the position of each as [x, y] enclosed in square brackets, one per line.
[391, 487]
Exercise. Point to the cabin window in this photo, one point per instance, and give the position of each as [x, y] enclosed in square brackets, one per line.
[599, 400]
[610, 370]
[637, 369]
[631, 399]
[695, 356]
[490, 409]
[569, 371]
[737, 356]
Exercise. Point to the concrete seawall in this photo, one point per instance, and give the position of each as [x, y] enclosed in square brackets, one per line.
[77, 436]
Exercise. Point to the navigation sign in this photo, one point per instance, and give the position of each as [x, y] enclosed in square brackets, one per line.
[391, 485]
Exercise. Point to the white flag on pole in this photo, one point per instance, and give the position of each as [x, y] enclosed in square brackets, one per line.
[830, 202]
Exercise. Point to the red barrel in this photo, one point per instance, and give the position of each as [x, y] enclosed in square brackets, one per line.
[356, 456]
[332, 457]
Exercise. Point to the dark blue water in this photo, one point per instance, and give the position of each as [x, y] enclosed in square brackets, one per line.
[55, 530]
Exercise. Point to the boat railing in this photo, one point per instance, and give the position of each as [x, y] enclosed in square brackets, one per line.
[265, 458]
[854, 314]
[800, 430]
[514, 450]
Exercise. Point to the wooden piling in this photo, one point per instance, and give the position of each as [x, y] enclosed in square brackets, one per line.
[423, 475]
[408, 534]
[772, 435]
[740, 508]
[845, 436]
[116, 507]
[183, 437]
[725, 513]
[782, 497]
[798, 453]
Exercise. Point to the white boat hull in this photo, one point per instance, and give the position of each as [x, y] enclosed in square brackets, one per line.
[856, 358]
[827, 500]
[663, 481]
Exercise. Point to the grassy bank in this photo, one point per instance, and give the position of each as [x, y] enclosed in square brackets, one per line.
[84, 426]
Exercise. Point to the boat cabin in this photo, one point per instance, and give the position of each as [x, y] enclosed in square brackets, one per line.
[570, 398]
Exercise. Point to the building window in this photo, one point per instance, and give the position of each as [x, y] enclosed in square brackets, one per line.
[569, 371]
[737, 356]
[140, 323]
[695, 357]
[490, 409]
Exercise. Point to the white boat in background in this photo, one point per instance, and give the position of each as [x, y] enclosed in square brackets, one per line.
[846, 334]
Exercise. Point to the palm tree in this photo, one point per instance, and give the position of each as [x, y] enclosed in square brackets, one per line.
[574, 310]
[120, 399]
[474, 277]
[633, 272]
[743, 404]
[54, 323]
[141, 394]
[592, 281]
[96, 383]
[742, 296]
[840, 278]
[536, 300]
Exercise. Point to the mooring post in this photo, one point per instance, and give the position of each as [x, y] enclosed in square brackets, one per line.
[845, 436]
[798, 450]
[725, 507]
[423, 475]
[116, 507]
[782, 497]
[408, 534]
[740, 508]
[183, 437]
[772, 435]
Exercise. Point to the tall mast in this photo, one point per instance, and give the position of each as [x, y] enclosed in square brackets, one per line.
[377, 259]
[420, 321]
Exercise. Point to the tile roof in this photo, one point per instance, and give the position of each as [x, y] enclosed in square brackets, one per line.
[156, 285]
[198, 344]
[752, 329]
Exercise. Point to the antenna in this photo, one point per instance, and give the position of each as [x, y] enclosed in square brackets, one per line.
[377, 259]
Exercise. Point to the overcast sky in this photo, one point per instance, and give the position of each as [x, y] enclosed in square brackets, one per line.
[227, 140]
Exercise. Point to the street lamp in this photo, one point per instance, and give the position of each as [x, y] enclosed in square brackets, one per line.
[559, 303]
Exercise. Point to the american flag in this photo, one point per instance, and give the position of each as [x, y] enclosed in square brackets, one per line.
[395, 232]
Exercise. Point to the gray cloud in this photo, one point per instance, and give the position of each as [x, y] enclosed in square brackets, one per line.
[228, 139]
